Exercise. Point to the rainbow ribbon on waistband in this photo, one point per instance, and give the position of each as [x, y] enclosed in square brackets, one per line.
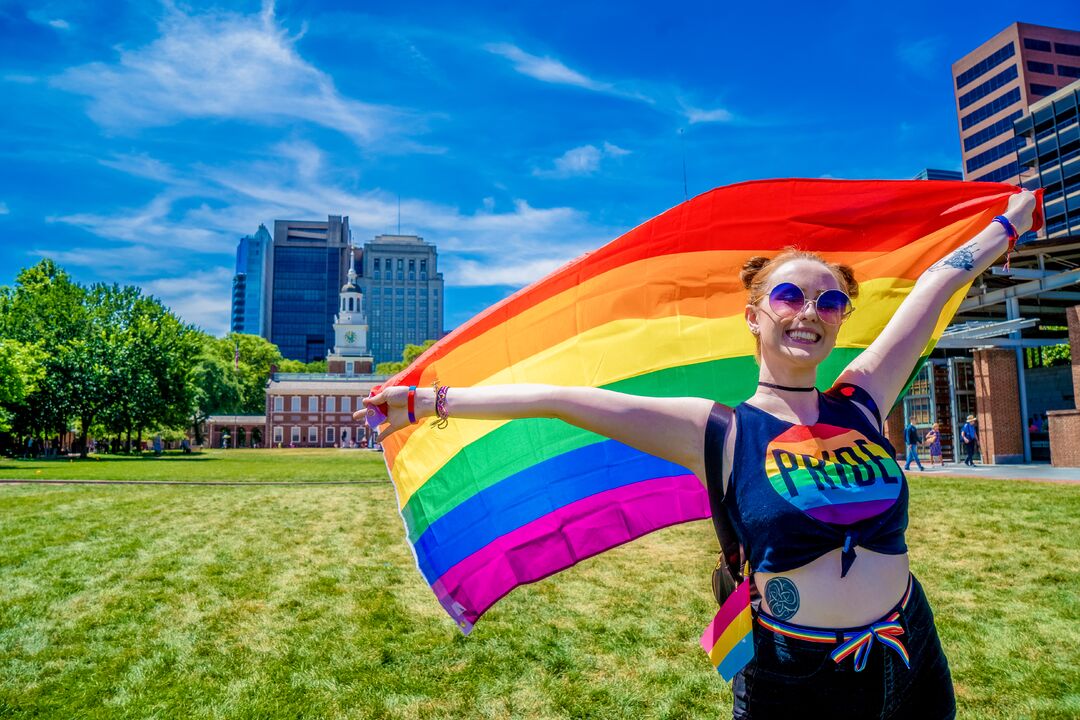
[884, 632]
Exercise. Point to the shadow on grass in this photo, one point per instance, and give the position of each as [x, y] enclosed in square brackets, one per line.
[99, 457]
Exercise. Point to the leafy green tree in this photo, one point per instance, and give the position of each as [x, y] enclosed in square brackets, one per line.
[410, 354]
[21, 369]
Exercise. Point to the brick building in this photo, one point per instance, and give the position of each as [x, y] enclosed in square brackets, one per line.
[315, 410]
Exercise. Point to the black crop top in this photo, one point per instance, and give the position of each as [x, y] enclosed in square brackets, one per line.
[799, 491]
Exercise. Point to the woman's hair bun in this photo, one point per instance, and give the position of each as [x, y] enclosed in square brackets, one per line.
[751, 268]
[848, 274]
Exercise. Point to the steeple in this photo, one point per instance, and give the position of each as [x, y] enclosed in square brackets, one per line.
[350, 286]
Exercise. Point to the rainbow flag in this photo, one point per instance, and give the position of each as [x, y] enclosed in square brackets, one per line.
[728, 639]
[490, 505]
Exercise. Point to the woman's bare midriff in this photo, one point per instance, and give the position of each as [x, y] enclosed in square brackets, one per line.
[875, 583]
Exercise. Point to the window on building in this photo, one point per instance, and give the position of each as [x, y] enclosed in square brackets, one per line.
[279, 403]
[313, 435]
[996, 105]
[330, 403]
[1008, 147]
[376, 268]
[1069, 71]
[984, 66]
[350, 304]
[982, 90]
[331, 438]
[349, 367]
[295, 405]
[1067, 49]
[346, 404]
[1033, 44]
[279, 434]
[294, 435]
[1040, 89]
[1040, 67]
[423, 269]
[313, 404]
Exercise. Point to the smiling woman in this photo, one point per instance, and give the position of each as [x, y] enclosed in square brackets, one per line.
[805, 475]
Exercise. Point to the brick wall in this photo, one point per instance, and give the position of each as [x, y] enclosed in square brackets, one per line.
[894, 429]
[1065, 424]
[997, 397]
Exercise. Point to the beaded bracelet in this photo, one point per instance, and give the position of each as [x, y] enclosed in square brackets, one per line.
[443, 416]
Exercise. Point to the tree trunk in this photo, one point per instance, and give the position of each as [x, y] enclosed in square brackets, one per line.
[84, 443]
[138, 441]
[127, 445]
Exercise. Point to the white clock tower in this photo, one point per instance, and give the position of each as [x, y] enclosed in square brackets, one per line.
[351, 354]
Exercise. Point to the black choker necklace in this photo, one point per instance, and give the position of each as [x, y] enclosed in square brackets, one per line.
[785, 387]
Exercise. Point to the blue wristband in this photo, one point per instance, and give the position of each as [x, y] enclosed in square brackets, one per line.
[1009, 229]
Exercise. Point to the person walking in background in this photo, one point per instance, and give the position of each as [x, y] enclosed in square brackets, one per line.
[911, 439]
[969, 437]
[933, 440]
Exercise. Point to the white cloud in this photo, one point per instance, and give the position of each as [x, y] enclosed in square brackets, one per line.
[203, 298]
[545, 69]
[42, 16]
[584, 160]
[162, 238]
[698, 115]
[221, 66]
[550, 70]
[665, 98]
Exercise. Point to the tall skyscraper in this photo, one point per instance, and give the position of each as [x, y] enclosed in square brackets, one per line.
[252, 259]
[403, 291]
[309, 264]
[994, 85]
[1051, 151]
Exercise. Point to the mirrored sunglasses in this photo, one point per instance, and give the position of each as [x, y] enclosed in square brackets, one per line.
[788, 300]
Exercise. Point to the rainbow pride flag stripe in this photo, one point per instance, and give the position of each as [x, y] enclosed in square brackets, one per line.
[729, 639]
[490, 505]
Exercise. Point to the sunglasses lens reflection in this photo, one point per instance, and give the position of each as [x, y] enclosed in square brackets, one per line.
[832, 306]
[786, 300]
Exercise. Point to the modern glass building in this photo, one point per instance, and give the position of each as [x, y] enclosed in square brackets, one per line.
[996, 83]
[309, 264]
[252, 258]
[403, 293]
[1050, 151]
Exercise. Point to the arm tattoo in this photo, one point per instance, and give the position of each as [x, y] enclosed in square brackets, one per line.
[962, 259]
[783, 598]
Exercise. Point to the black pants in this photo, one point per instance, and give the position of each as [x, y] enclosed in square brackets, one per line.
[791, 678]
[969, 453]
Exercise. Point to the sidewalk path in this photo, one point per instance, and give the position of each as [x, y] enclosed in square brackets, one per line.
[1038, 472]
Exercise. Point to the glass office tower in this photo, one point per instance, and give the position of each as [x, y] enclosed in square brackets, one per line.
[252, 258]
[309, 262]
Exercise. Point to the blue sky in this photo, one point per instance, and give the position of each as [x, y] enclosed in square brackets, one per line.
[139, 141]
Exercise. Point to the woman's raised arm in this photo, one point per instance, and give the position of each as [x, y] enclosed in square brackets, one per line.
[669, 428]
[883, 368]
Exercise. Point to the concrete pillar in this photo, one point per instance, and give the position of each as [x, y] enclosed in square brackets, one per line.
[1073, 316]
[997, 397]
[1065, 424]
[894, 428]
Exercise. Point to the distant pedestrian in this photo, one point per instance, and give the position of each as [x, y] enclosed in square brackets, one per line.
[911, 439]
[1037, 421]
[969, 436]
[933, 440]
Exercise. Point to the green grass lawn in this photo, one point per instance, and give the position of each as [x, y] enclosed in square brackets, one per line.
[207, 602]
